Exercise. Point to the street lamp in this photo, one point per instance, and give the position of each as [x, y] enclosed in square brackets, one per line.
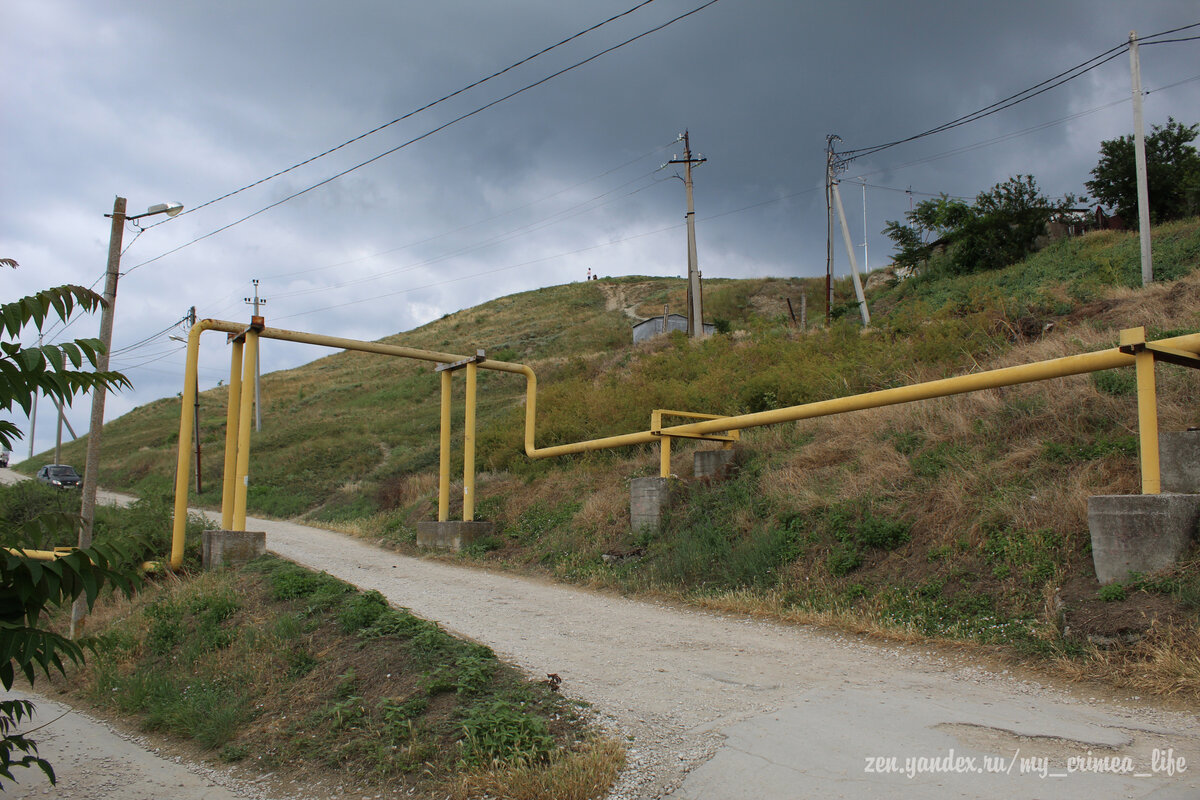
[87, 511]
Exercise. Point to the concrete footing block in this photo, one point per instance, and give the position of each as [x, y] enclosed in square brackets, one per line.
[712, 464]
[452, 534]
[648, 497]
[1179, 461]
[1140, 532]
[230, 548]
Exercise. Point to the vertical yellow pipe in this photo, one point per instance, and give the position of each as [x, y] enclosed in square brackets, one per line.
[231, 435]
[190, 379]
[664, 457]
[242, 478]
[469, 447]
[444, 452]
[1147, 421]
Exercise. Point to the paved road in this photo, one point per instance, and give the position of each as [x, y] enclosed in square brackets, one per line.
[721, 707]
[93, 761]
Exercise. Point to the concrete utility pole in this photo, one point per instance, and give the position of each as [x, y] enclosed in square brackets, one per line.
[858, 289]
[1139, 158]
[256, 301]
[33, 416]
[58, 438]
[695, 296]
[866, 265]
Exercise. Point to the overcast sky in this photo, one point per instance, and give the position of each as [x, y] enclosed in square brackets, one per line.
[186, 101]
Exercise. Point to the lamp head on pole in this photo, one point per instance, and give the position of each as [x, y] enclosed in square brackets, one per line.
[170, 209]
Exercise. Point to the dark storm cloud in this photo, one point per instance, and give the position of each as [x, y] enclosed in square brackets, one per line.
[187, 101]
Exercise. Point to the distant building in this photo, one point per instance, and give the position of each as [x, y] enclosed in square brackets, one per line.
[649, 328]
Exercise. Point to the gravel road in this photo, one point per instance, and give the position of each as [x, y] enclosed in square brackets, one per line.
[713, 706]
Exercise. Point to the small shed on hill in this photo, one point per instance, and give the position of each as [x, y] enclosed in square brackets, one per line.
[649, 328]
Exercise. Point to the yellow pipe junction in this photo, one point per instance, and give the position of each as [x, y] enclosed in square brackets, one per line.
[1133, 351]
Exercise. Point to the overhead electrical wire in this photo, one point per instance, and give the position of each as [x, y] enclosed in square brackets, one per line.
[477, 223]
[956, 151]
[233, 299]
[429, 133]
[1019, 97]
[504, 236]
[412, 113]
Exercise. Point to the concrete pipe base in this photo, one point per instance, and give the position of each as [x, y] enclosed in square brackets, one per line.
[648, 497]
[452, 534]
[712, 464]
[1140, 532]
[230, 548]
[1179, 461]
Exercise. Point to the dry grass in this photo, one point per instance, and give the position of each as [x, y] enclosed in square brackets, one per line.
[1165, 663]
[582, 774]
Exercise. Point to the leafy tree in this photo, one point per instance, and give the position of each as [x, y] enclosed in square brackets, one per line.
[1172, 173]
[998, 229]
[29, 586]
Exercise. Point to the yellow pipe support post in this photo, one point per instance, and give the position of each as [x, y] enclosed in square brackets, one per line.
[231, 433]
[664, 457]
[444, 452]
[1147, 422]
[1133, 341]
[469, 447]
[183, 462]
[242, 479]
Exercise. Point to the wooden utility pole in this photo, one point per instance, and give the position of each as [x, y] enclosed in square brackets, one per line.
[830, 171]
[256, 301]
[695, 295]
[1139, 158]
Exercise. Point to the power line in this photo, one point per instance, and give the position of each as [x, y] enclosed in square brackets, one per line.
[1026, 94]
[1168, 41]
[994, 108]
[409, 114]
[498, 238]
[429, 133]
[477, 223]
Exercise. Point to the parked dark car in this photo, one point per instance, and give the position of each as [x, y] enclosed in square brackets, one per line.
[60, 475]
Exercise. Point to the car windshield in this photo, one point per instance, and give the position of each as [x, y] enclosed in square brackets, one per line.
[62, 472]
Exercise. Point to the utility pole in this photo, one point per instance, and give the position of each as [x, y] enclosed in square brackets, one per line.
[33, 415]
[58, 438]
[834, 165]
[191, 320]
[1139, 158]
[256, 301]
[866, 265]
[830, 171]
[87, 511]
[858, 289]
[695, 297]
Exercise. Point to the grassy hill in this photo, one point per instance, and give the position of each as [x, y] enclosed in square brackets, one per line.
[962, 518]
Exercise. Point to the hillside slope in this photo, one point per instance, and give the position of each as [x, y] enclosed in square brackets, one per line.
[961, 518]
